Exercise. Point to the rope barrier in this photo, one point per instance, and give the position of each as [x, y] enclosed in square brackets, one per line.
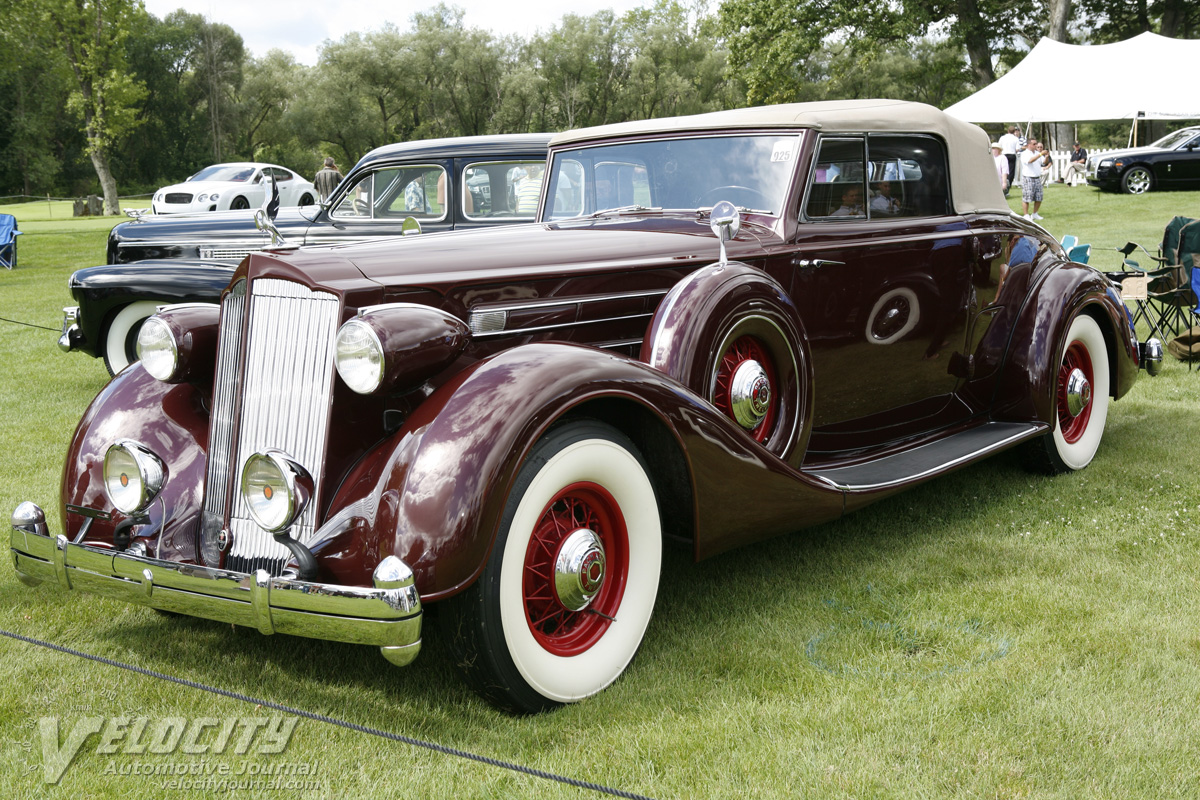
[299, 712]
[28, 324]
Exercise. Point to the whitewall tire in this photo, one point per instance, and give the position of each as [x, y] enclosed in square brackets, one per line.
[120, 340]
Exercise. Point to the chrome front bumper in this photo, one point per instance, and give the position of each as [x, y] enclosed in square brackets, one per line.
[387, 616]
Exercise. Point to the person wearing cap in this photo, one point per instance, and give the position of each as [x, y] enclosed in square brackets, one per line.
[1078, 165]
[1001, 166]
[1010, 143]
[327, 179]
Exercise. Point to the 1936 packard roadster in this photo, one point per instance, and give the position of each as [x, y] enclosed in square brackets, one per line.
[721, 328]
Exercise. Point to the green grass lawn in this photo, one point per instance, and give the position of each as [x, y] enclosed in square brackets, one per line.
[991, 634]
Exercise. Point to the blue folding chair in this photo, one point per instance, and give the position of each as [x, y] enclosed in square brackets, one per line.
[1079, 253]
[8, 240]
[1068, 242]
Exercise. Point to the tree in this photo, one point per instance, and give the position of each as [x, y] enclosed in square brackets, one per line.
[770, 41]
[92, 34]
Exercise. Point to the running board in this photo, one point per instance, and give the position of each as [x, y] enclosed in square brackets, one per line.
[931, 459]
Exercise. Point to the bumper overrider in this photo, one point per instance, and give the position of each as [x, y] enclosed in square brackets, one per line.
[387, 615]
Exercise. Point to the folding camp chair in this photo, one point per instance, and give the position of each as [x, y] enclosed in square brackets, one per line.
[1169, 290]
[1068, 242]
[1080, 253]
[8, 240]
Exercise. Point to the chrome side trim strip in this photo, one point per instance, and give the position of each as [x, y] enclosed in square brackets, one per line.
[560, 326]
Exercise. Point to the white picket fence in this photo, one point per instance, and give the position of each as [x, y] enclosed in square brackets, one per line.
[1059, 159]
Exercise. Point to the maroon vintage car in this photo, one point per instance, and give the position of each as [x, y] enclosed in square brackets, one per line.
[722, 328]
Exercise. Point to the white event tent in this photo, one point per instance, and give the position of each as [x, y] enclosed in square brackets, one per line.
[1140, 78]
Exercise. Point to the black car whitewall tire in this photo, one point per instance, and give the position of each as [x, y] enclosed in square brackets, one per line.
[120, 340]
[1137, 180]
[1076, 437]
[592, 468]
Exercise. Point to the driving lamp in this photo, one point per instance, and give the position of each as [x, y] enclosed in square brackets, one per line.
[133, 476]
[276, 490]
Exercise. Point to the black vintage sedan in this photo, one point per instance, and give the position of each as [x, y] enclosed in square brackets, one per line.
[445, 184]
[1173, 162]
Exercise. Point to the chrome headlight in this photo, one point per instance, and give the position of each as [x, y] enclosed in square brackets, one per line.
[179, 343]
[202, 197]
[358, 355]
[215, 196]
[157, 349]
[276, 490]
[133, 476]
[1106, 162]
[395, 347]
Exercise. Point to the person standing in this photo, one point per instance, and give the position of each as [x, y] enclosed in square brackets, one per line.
[1001, 166]
[1031, 179]
[1009, 145]
[327, 179]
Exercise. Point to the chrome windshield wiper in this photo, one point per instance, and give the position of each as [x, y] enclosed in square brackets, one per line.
[633, 209]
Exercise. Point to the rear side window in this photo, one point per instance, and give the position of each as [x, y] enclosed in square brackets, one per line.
[878, 177]
[506, 189]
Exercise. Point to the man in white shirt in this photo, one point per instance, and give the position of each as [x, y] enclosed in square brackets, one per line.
[1031, 179]
[1009, 143]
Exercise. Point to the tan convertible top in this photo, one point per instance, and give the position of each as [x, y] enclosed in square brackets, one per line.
[973, 181]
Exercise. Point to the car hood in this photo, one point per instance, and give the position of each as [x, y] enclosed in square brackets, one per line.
[205, 187]
[545, 250]
[207, 225]
[1127, 152]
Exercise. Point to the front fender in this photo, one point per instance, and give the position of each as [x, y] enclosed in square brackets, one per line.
[434, 493]
[101, 291]
[1064, 289]
[172, 422]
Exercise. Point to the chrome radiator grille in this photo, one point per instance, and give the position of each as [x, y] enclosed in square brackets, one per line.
[273, 389]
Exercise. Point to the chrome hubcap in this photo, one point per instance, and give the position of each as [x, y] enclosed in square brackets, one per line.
[750, 394]
[1079, 392]
[579, 569]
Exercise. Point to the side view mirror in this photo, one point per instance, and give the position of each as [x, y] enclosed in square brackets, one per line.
[725, 222]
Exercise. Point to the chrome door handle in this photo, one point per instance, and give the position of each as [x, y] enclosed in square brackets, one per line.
[806, 263]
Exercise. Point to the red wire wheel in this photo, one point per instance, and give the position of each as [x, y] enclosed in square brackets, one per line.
[1076, 358]
[743, 349]
[557, 628]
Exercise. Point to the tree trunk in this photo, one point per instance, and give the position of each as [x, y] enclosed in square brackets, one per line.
[1060, 14]
[1173, 16]
[975, 38]
[107, 182]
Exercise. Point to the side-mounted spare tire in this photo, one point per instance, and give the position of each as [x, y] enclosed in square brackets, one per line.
[730, 333]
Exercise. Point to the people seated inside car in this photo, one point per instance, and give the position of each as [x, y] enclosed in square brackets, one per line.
[883, 202]
[852, 202]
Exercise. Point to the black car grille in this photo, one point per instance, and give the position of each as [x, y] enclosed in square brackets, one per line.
[178, 197]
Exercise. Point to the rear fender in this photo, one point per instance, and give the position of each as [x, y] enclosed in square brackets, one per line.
[1026, 389]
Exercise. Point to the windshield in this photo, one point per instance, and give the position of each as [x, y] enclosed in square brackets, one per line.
[751, 171]
[1173, 140]
[224, 172]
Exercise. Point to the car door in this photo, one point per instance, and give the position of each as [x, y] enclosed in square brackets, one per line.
[497, 192]
[1182, 168]
[882, 280]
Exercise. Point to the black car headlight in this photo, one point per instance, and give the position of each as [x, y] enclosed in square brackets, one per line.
[397, 346]
[133, 476]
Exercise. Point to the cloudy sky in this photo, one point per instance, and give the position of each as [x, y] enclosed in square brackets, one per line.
[301, 26]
